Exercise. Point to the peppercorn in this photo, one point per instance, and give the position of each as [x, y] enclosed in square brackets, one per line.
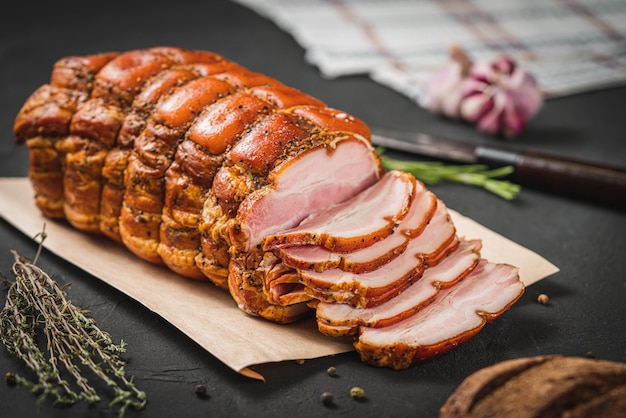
[10, 379]
[326, 398]
[332, 371]
[357, 392]
[200, 390]
[542, 298]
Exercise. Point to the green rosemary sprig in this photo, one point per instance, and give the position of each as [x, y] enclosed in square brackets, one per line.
[74, 345]
[433, 172]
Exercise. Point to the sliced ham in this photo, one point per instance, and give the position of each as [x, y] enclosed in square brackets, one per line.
[376, 296]
[317, 178]
[457, 314]
[285, 287]
[377, 286]
[250, 295]
[318, 258]
[358, 222]
[337, 319]
[365, 259]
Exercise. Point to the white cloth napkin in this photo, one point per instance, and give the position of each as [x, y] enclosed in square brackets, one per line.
[570, 46]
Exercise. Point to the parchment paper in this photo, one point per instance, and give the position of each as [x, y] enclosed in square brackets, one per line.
[204, 312]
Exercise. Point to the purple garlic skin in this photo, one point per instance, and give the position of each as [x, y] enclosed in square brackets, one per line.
[498, 97]
[443, 92]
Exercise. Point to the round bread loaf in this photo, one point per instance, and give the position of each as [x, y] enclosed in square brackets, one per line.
[542, 386]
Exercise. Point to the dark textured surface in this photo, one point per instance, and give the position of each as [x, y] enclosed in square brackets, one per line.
[586, 311]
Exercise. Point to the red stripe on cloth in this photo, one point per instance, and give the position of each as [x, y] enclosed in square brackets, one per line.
[478, 21]
[606, 28]
[583, 11]
[368, 30]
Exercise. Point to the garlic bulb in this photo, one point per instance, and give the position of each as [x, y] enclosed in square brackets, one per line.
[499, 97]
[442, 93]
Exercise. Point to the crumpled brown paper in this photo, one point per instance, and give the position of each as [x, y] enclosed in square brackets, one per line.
[207, 314]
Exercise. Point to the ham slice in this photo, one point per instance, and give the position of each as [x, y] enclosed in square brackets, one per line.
[337, 319]
[254, 302]
[319, 258]
[377, 286]
[457, 314]
[284, 286]
[358, 222]
[317, 178]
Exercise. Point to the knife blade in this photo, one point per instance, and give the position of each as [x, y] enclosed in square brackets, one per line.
[577, 178]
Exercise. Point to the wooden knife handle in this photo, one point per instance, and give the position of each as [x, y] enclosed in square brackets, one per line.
[594, 182]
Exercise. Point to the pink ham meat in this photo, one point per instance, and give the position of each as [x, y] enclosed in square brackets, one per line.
[458, 313]
[337, 319]
[377, 286]
[222, 174]
[358, 222]
[319, 258]
[314, 180]
[320, 176]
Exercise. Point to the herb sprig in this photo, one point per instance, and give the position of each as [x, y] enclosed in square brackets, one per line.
[479, 175]
[74, 345]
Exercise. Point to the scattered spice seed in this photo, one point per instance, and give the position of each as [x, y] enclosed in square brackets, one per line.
[332, 371]
[590, 354]
[357, 392]
[300, 361]
[543, 299]
[326, 398]
[200, 390]
[10, 379]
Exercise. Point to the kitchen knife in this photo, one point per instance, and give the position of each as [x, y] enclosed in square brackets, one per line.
[575, 178]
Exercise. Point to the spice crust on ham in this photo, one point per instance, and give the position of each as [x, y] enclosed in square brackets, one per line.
[229, 176]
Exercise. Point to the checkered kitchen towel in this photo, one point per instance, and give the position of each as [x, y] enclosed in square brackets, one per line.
[569, 45]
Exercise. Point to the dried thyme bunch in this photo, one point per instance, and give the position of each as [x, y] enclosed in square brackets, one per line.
[75, 348]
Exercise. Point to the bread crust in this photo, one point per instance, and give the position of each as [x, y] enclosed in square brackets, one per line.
[539, 387]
